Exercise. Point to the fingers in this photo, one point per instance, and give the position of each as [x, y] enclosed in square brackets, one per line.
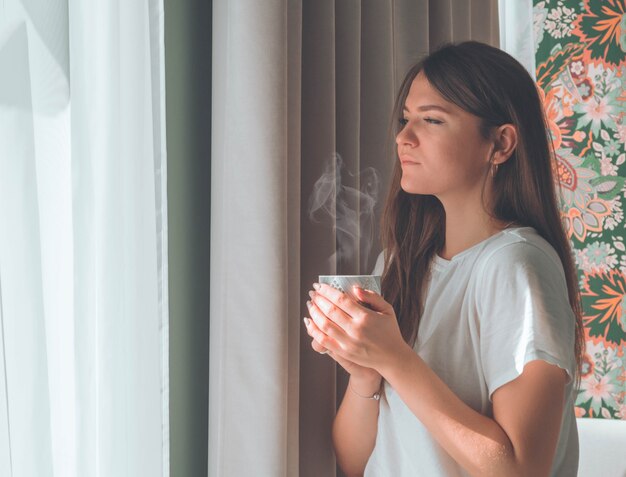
[340, 300]
[313, 331]
[373, 300]
[318, 347]
[328, 318]
[333, 310]
[321, 339]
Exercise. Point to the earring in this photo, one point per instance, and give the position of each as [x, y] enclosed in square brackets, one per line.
[494, 170]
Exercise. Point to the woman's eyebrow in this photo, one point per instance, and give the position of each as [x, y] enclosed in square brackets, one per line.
[428, 107]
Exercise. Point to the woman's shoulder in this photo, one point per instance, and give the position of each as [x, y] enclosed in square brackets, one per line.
[518, 266]
[519, 246]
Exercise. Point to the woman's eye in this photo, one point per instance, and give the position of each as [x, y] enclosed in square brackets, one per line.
[403, 121]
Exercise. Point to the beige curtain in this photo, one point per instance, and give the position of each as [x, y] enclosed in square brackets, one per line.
[302, 89]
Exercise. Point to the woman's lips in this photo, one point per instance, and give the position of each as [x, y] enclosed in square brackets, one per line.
[406, 160]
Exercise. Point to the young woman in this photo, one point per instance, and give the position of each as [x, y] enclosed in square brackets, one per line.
[467, 366]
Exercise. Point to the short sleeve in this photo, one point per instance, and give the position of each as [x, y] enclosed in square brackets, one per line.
[524, 313]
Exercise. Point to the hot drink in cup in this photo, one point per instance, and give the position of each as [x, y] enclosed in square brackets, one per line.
[345, 283]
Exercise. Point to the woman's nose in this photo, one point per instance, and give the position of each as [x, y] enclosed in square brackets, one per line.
[406, 137]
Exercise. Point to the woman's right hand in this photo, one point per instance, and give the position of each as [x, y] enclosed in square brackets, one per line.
[357, 373]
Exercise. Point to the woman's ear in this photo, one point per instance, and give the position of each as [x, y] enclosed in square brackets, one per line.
[505, 143]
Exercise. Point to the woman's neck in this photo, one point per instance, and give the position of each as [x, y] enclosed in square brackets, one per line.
[465, 227]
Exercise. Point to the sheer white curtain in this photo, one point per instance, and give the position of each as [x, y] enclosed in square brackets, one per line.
[297, 84]
[83, 241]
[517, 31]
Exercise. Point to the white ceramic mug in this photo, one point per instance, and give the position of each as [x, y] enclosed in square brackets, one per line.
[345, 283]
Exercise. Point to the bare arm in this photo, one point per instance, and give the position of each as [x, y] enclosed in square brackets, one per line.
[355, 427]
[520, 439]
[356, 423]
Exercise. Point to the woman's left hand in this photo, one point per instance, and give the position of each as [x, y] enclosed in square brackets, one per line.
[367, 337]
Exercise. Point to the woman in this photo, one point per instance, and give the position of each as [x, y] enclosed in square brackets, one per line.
[467, 366]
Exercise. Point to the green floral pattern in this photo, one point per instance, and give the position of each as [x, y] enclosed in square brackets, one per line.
[581, 64]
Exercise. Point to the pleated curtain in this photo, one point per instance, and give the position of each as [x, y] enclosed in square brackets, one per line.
[300, 165]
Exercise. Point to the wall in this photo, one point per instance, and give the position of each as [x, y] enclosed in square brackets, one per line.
[188, 88]
[581, 60]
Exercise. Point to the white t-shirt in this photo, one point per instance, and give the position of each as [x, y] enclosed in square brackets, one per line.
[490, 310]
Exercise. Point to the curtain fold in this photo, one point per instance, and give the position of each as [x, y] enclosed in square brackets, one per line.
[254, 282]
[317, 245]
[83, 250]
[454, 20]
[301, 158]
[117, 173]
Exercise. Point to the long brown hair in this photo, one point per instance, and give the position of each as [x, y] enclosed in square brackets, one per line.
[490, 84]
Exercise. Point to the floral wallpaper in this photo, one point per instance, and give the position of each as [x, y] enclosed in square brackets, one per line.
[580, 53]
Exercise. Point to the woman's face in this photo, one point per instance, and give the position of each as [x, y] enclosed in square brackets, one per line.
[440, 146]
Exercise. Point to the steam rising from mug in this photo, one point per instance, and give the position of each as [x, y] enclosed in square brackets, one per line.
[350, 209]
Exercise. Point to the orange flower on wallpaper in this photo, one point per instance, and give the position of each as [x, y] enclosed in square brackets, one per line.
[557, 105]
[580, 221]
[604, 293]
[574, 179]
[582, 212]
[580, 411]
[601, 29]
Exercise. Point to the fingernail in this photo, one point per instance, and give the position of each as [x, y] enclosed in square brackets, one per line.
[316, 286]
[306, 321]
[323, 352]
[309, 304]
[312, 294]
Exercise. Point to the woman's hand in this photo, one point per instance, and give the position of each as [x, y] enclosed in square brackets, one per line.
[352, 333]
[357, 372]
